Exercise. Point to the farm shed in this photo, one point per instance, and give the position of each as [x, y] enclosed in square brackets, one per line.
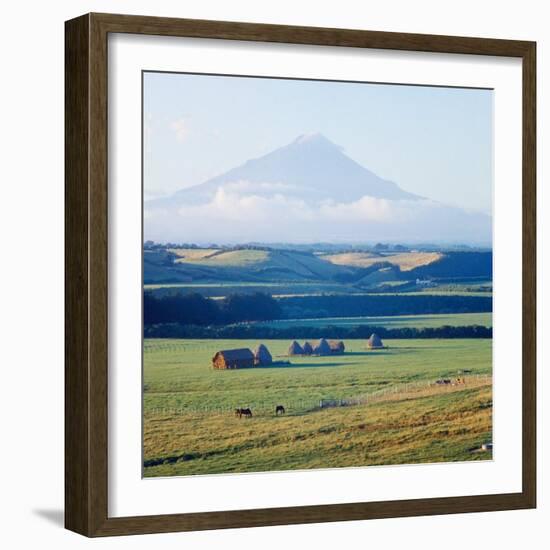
[262, 356]
[308, 349]
[233, 359]
[337, 346]
[295, 349]
[322, 348]
[375, 342]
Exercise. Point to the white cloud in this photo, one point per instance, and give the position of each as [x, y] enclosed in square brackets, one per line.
[229, 203]
[271, 213]
[370, 209]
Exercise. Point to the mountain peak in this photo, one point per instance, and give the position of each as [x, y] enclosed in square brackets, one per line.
[315, 139]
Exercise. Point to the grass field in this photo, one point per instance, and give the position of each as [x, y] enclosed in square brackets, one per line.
[213, 257]
[405, 260]
[394, 321]
[436, 292]
[222, 289]
[397, 417]
[192, 254]
[288, 289]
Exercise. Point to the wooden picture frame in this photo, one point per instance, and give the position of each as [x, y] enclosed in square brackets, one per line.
[86, 283]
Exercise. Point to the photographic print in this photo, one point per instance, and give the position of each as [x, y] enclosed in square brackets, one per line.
[317, 274]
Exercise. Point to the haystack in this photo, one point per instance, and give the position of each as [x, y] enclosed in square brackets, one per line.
[337, 346]
[308, 349]
[295, 349]
[375, 342]
[321, 348]
[262, 356]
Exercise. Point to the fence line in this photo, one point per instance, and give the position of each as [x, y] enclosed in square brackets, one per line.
[403, 388]
[310, 405]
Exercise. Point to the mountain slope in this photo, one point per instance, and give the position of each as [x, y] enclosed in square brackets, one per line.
[309, 166]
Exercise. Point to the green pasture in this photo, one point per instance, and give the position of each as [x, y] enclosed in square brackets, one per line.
[223, 289]
[393, 321]
[217, 289]
[190, 428]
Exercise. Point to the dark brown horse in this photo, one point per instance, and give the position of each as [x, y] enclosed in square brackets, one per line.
[279, 409]
[243, 412]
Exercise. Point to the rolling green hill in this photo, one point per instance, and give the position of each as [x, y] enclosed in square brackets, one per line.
[352, 271]
[251, 265]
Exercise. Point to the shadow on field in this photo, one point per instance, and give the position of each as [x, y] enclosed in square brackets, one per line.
[372, 352]
[393, 351]
[301, 365]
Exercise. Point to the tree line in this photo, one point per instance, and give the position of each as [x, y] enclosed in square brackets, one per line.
[195, 309]
[355, 305]
[244, 331]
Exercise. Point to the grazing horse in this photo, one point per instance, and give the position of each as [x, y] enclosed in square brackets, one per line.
[279, 409]
[243, 412]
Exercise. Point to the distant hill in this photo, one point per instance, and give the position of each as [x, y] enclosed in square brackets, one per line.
[239, 265]
[172, 265]
[458, 264]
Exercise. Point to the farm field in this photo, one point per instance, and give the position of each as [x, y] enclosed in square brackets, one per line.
[436, 292]
[397, 415]
[236, 258]
[405, 260]
[393, 321]
[223, 289]
[218, 290]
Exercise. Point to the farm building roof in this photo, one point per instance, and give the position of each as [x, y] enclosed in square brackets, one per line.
[236, 354]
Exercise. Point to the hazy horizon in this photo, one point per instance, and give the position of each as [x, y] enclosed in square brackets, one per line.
[358, 245]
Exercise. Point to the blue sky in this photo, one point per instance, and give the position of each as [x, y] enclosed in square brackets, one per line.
[434, 142]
